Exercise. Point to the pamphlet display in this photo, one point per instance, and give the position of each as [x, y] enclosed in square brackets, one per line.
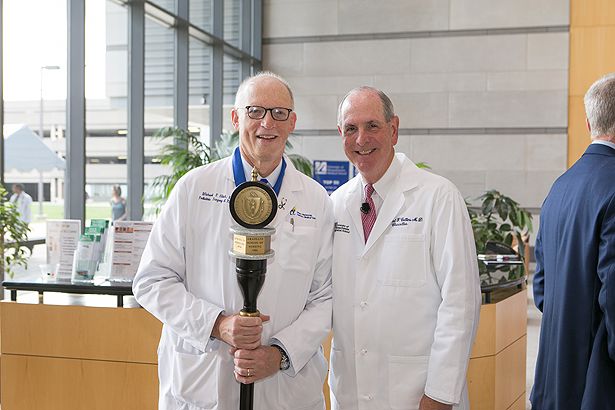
[127, 241]
[85, 260]
[62, 239]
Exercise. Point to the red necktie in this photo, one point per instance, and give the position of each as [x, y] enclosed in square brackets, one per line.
[369, 218]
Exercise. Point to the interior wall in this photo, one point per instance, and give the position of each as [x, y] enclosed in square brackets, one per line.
[592, 35]
[480, 86]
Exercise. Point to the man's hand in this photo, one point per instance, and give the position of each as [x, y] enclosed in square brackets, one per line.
[254, 365]
[428, 403]
[241, 332]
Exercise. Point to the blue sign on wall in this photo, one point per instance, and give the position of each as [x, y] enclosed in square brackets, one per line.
[331, 174]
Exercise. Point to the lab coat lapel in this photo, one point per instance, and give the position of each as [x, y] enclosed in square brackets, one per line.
[290, 185]
[393, 202]
[354, 197]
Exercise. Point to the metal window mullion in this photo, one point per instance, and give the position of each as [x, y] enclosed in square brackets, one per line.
[257, 34]
[136, 110]
[217, 73]
[74, 176]
[180, 86]
[245, 37]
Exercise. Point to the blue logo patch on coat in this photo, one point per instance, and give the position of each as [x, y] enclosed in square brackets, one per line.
[294, 212]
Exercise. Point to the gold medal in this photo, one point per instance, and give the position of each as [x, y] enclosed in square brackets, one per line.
[253, 205]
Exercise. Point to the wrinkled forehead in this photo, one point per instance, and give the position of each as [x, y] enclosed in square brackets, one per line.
[362, 107]
[266, 92]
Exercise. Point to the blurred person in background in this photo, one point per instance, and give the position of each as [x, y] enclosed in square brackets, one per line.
[23, 202]
[118, 205]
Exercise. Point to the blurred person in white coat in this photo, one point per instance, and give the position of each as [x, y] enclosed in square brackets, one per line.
[23, 202]
[406, 292]
[187, 279]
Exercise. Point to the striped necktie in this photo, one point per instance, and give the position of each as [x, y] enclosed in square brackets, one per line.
[369, 218]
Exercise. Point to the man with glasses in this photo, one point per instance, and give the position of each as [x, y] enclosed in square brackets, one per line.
[187, 278]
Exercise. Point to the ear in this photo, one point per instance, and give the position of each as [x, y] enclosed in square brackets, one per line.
[235, 119]
[339, 129]
[589, 127]
[395, 129]
[293, 121]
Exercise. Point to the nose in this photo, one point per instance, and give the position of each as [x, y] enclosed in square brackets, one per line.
[267, 121]
[362, 137]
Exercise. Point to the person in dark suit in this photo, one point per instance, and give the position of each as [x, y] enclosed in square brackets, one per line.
[574, 284]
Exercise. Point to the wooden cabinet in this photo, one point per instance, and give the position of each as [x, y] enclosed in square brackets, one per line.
[78, 357]
[496, 373]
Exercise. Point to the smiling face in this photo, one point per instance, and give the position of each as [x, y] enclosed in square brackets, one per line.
[368, 138]
[262, 141]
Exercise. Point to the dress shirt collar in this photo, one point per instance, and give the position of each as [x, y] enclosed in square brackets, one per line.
[384, 184]
[603, 142]
[271, 178]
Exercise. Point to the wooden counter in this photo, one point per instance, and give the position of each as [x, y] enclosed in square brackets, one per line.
[77, 357]
[80, 357]
[496, 374]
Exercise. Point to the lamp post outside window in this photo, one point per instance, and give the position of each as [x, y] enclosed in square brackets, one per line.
[41, 133]
[40, 118]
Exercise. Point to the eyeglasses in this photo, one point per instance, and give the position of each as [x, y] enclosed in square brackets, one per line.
[277, 113]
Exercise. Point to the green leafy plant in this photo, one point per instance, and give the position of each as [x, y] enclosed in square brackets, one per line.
[14, 232]
[501, 219]
[188, 152]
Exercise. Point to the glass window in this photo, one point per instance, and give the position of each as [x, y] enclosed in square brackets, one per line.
[201, 14]
[159, 81]
[106, 45]
[35, 83]
[229, 86]
[231, 79]
[231, 21]
[35, 101]
[199, 87]
[168, 5]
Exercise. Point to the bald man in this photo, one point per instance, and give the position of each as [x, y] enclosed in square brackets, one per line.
[187, 278]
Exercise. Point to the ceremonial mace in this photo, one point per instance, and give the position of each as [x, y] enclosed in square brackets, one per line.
[253, 206]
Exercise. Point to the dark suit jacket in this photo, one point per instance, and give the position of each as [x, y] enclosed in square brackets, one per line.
[574, 287]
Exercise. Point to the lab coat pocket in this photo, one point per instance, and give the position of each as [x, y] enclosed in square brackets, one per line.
[296, 248]
[407, 378]
[405, 263]
[194, 379]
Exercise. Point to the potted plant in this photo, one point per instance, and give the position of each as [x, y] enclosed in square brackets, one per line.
[500, 219]
[188, 152]
[13, 232]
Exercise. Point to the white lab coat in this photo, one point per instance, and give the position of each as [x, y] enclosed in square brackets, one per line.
[23, 202]
[406, 303]
[187, 278]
